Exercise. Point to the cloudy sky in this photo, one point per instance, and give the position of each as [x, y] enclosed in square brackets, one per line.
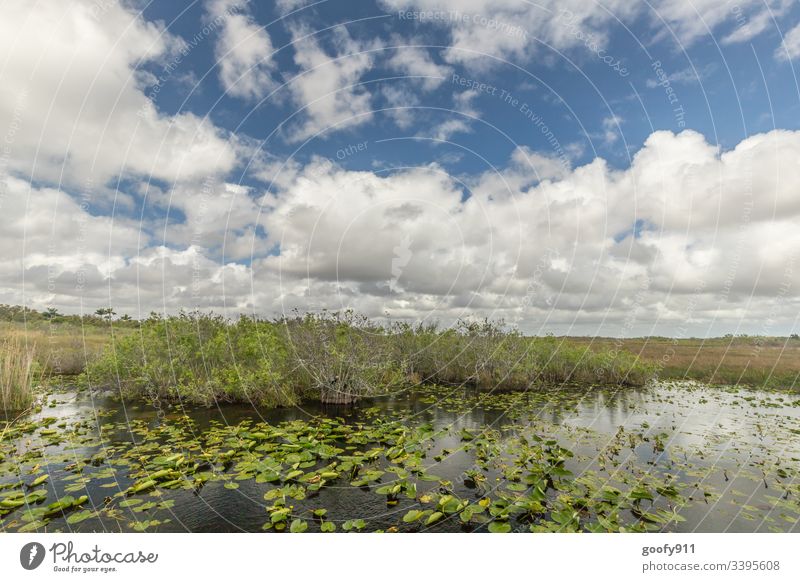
[579, 167]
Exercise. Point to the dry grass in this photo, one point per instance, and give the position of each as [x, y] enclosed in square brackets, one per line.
[757, 361]
[60, 349]
[16, 374]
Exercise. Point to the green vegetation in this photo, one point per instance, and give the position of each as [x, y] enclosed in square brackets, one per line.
[337, 358]
[341, 357]
[293, 461]
[465, 429]
[473, 461]
[485, 354]
[197, 358]
[34, 319]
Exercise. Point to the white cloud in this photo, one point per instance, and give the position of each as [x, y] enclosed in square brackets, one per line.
[74, 89]
[689, 75]
[542, 245]
[611, 128]
[447, 129]
[687, 233]
[748, 28]
[243, 51]
[401, 103]
[289, 5]
[529, 167]
[221, 218]
[54, 251]
[57, 244]
[417, 62]
[790, 48]
[718, 234]
[460, 121]
[327, 87]
[510, 29]
[736, 21]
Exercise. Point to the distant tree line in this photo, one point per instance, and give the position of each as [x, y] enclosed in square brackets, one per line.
[21, 314]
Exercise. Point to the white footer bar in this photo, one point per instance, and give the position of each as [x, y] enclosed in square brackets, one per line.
[390, 557]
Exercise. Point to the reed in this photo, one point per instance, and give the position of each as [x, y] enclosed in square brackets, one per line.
[16, 374]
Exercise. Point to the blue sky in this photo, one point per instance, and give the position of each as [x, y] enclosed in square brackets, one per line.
[621, 168]
[726, 91]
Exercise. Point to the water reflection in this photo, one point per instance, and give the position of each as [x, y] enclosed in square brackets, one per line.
[724, 446]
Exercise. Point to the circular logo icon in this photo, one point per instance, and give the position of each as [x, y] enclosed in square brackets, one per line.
[31, 555]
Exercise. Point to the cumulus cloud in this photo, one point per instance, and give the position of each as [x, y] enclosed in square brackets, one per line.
[684, 236]
[459, 121]
[510, 29]
[289, 5]
[684, 227]
[74, 89]
[790, 48]
[243, 50]
[52, 245]
[514, 30]
[736, 22]
[327, 88]
[56, 251]
[221, 218]
[417, 62]
[611, 128]
[399, 104]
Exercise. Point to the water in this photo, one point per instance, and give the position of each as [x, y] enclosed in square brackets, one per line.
[734, 453]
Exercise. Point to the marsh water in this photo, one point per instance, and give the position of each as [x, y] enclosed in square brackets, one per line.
[668, 457]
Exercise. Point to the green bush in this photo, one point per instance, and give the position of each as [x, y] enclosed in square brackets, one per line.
[339, 358]
[342, 356]
[484, 354]
[199, 358]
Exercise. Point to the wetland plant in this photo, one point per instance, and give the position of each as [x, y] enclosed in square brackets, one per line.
[342, 356]
[16, 375]
[339, 358]
[199, 358]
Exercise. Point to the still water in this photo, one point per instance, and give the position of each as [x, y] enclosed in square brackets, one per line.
[732, 455]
